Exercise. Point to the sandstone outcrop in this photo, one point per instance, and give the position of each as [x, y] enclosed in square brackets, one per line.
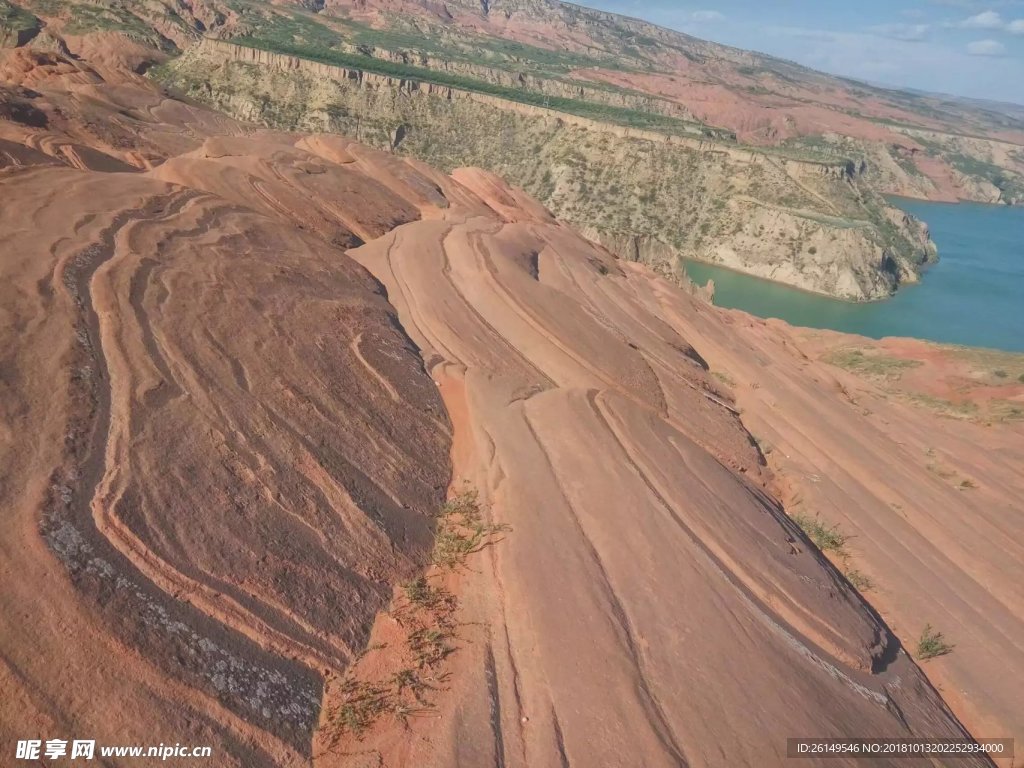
[228, 432]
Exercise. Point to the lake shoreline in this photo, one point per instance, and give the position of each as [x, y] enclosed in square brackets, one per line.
[971, 297]
[683, 262]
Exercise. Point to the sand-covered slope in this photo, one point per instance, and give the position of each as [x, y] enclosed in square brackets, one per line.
[239, 380]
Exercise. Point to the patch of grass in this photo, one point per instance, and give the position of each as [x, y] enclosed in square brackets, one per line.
[430, 646]
[360, 706]
[47, 7]
[828, 538]
[410, 680]
[1005, 410]
[15, 18]
[988, 362]
[88, 18]
[967, 485]
[462, 531]
[427, 614]
[906, 163]
[932, 644]
[964, 410]
[423, 595]
[860, 582]
[724, 377]
[871, 364]
[1010, 184]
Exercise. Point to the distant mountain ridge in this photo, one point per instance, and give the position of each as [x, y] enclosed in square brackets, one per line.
[772, 168]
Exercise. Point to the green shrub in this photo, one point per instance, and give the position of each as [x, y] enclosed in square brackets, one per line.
[860, 582]
[932, 644]
[825, 537]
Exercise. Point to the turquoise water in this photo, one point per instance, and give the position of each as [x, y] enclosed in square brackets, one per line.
[973, 296]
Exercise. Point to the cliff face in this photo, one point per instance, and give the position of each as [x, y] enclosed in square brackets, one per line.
[941, 166]
[509, 77]
[809, 224]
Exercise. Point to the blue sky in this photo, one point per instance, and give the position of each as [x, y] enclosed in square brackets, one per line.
[964, 47]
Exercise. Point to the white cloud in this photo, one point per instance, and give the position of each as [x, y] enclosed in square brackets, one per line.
[986, 48]
[984, 20]
[706, 16]
[977, 5]
[927, 65]
[1016, 27]
[966, 4]
[912, 33]
[803, 32]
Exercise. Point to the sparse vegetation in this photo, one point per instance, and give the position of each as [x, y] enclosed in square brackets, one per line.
[1009, 183]
[932, 644]
[907, 164]
[859, 581]
[420, 593]
[13, 17]
[948, 408]
[362, 703]
[828, 538]
[871, 363]
[724, 377]
[426, 611]
[981, 368]
[430, 646]
[84, 17]
[461, 531]
[478, 50]
[320, 52]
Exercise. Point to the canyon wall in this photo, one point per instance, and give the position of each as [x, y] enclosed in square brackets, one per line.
[808, 224]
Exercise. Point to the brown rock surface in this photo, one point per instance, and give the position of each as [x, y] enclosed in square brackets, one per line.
[220, 453]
